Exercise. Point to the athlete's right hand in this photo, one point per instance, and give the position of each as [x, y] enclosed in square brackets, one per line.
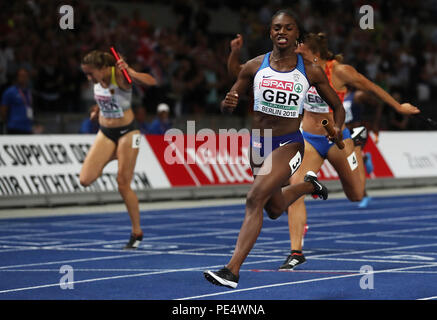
[407, 108]
[231, 100]
[337, 138]
[94, 114]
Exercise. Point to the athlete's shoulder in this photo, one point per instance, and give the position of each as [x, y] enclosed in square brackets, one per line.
[253, 64]
[342, 67]
[308, 63]
[258, 59]
[313, 70]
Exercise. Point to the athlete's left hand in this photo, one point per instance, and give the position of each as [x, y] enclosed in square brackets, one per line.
[94, 114]
[407, 108]
[338, 135]
[121, 64]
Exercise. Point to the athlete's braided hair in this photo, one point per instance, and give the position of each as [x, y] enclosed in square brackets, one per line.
[99, 59]
[318, 43]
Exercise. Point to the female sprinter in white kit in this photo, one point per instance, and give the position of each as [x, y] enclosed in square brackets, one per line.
[118, 137]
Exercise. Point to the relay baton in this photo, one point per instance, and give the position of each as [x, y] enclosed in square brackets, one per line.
[117, 57]
[330, 129]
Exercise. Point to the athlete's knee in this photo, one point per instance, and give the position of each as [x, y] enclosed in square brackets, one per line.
[85, 180]
[123, 183]
[255, 199]
[85, 183]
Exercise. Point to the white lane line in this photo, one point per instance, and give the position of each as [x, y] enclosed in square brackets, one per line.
[128, 276]
[366, 242]
[68, 261]
[296, 282]
[429, 298]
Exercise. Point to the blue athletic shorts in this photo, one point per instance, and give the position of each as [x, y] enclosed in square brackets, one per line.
[265, 148]
[321, 143]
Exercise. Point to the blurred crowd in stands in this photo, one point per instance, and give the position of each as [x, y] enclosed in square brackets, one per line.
[189, 61]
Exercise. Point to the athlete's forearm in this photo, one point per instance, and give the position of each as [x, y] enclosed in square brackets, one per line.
[350, 76]
[234, 66]
[140, 78]
[339, 115]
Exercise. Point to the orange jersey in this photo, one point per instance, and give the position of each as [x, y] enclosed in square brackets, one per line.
[328, 70]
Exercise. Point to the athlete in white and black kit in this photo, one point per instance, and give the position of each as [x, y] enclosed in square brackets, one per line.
[280, 80]
[118, 137]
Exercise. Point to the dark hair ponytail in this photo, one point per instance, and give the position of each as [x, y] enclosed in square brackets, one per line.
[318, 43]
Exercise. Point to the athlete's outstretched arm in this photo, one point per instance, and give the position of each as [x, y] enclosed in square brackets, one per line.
[233, 64]
[245, 78]
[140, 78]
[350, 76]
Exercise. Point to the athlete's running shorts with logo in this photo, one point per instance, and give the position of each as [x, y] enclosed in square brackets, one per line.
[321, 143]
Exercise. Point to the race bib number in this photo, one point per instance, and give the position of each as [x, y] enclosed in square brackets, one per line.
[295, 162]
[353, 162]
[136, 140]
[109, 109]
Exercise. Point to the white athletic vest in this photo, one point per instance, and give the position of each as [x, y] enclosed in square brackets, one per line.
[112, 101]
[280, 93]
[314, 103]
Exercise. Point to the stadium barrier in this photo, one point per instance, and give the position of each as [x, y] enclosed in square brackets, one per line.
[43, 170]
